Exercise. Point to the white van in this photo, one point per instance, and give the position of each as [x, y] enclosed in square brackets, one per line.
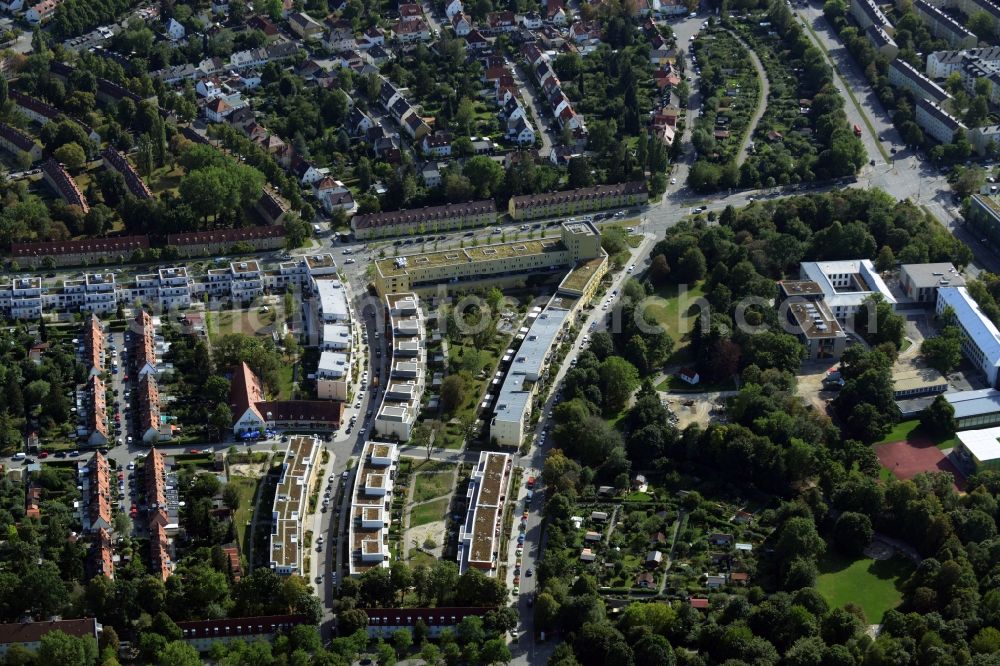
[18, 456]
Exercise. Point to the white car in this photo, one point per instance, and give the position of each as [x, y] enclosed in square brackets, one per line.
[673, 181]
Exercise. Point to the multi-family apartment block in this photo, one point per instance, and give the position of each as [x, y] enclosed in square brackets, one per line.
[572, 202]
[64, 185]
[253, 413]
[17, 142]
[21, 298]
[167, 289]
[578, 241]
[480, 533]
[405, 387]
[943, 26]
[196, 243]
[430, 219]
[78, 252]
[93, 293]
[133, 181]
[515, 401]
[291, 504]
[334, 372]
[241, 281]
[371, 507]
[936, 121]
[904, 75]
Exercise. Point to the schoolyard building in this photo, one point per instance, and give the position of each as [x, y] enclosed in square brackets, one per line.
[980, 337]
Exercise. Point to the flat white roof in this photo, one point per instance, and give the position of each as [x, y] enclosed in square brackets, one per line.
[983, 444]
[337, 334]
[333, 364]
[817, 271]
[332, 299]
[982, 332]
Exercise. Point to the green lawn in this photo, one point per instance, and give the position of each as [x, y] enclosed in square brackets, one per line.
[873, 585]
[247, 488]
[908, 430]
[429, 485]
[285, 374]
[428, 513]
[665, 309]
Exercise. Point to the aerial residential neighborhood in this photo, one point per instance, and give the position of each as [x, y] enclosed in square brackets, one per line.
[560, 332]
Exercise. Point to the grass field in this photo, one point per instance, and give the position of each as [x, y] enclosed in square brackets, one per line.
[429, 485]
[665, 310]
[871, 584]
[911, 430]
[247, 488]
[428, 513]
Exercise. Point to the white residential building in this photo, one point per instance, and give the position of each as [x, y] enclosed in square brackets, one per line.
[333, 375]
[242, 281]
[401, 403]
[371, 507]
[22, 298]
[332, 301]
[93, 293]
[480, 533]
[168, 288]
[530, 364]
[175, 31]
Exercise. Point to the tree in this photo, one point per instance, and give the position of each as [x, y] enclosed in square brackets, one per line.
[231, 497]
[691, 266]
[943, 352]
[452, 393]
[878, 323]
[350, 621]
[618, 379]
[981, 24]
[579, 173]
[60, 649]
[886, 260]
[495, 651]
[179, 653]
[987, 641]
[484, 174]
[798, 538]
[221, 419]
[71, 155]
[852, 533]
[939, 418]
[402, 640]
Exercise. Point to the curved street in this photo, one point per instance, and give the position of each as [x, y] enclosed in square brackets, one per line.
[763, 96]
